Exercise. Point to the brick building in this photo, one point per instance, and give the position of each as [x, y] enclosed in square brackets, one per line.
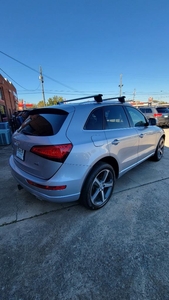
[8, 99]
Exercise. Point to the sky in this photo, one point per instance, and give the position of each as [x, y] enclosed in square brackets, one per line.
[86, 47]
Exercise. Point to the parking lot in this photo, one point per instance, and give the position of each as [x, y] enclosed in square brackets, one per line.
[55, 251]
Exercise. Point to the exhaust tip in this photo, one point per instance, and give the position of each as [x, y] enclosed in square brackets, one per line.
[20, 187]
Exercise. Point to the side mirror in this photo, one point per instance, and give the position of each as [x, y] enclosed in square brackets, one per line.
[152, 121]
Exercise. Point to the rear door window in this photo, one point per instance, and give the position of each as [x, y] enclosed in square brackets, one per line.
[143, 110]
[146, 110]
[115, 117]
[107, 117]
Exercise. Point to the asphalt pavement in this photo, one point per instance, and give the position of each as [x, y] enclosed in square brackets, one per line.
[54, 251]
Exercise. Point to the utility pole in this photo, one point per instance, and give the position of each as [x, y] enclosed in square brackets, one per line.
[120, 85]
[42, 81]
[134, 94]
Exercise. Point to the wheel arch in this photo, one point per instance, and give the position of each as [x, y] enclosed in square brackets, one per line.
[163, 136]
[109, 160]
[113, 162]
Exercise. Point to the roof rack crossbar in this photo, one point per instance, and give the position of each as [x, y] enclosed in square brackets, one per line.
[120, 98]
[97, 98]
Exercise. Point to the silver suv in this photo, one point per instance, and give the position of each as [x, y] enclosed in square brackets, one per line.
[76, 150]
[160, 113]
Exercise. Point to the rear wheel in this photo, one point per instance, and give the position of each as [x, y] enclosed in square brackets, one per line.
[98, 187]
[159, 150]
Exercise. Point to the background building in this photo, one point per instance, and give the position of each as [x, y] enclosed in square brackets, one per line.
[8, 99]
[22, 105]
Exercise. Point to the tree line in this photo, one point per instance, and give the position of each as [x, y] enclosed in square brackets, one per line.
[51, 101]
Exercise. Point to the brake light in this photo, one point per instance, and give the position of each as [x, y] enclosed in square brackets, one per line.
[157, 115]
[47, 187]
[54, 152]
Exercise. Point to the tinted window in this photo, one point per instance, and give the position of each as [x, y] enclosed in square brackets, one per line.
[43, 124]
[142, 109]
[162, 110]
[95, 120]
[115, 117]
[146, 110]
[136, 117]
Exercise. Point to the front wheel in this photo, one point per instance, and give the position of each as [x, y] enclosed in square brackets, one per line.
[159, 150]
[98, 187]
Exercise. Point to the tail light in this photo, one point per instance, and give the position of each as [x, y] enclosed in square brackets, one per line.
[157, 115]
[54, 152]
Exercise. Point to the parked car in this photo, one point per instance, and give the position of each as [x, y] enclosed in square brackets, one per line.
[165, 114]
[77, 150]
[160, 113]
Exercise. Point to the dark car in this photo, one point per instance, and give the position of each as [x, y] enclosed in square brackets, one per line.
[160, 113]
[165, 114]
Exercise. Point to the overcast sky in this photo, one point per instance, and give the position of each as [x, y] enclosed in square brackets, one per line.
[83, 46]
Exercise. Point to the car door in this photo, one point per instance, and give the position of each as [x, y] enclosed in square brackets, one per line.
[122, 139]
[145, 132]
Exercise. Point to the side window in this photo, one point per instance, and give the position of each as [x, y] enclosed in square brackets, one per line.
[95, 120]
[136, 117]
[143, 110]
[115, 117]
[148, 110]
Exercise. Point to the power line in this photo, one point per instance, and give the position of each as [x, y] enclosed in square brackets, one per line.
[17, 82]
[37, 71]
[93, 92]
[19, 61]
[13, 79]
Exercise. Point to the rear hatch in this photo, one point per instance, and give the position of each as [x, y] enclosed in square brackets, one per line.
[164, 111]
[40, 145]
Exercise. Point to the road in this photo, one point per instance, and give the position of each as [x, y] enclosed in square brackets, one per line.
[53, 251]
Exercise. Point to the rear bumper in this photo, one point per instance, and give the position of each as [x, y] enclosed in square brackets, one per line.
[52, 196]
[163, 122]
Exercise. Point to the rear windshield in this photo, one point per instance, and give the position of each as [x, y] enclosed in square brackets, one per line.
[163, 109]
[43, 122]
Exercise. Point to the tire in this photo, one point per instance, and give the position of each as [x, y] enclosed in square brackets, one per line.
[159, 150]
[98, 186]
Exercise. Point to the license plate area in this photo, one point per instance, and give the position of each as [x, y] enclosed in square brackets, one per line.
[20, 153]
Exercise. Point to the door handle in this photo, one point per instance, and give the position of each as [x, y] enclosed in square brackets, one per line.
[141, 135]
[115, 142]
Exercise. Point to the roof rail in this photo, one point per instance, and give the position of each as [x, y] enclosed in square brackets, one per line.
[97, 98]
[120, 98]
